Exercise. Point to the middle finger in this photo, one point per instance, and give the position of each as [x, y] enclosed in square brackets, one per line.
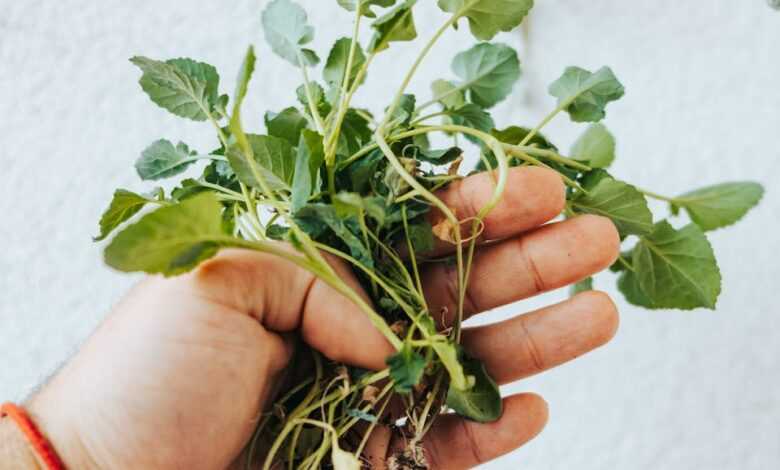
[547, 258]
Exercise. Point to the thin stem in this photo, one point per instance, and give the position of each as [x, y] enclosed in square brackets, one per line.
[547, 119]
[515, 151]
[427, 409]
[310, 96]
[300, 410]
[549, 155]
[221, 189]
[367, 117]
[659, 196]
[373, 276]
[503, 169]
[352, 50]
[625, 263]
[223, 140]
[412, 256]
[438, 98]
[379, 414]
[399, 94]
[331, 143]
[428, 116]
[399, 264]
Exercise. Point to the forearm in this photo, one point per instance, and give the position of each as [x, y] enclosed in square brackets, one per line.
[15, 452]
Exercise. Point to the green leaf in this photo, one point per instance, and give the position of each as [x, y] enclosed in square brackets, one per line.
[286, 30]
[582, 286]
[365, 5]
[628, 284]
[396, 25]
[584, 95]
[286, 125]
[184, 87]
[677, 268]
[241, 147]
[488, 17]
[405, 110]
[162, 160]
[318, 96]
[355, 133]
[171, 240]
[406, 369]
[471, 115]
[336, 66]
[360, 414]
[596, 146]
[481, 402]
[275, 160]
[124, 205]
[314, 215]
[307, 163]
[621, 202]
[448, 94]
[421, 236]
[353, 204]
[720, 205]
[219, 172]
[244, 75]
[187, 189]
[488, 72]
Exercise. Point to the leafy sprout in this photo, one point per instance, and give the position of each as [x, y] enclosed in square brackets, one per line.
[330, 176]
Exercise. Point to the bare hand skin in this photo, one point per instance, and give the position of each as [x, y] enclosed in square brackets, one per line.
[178, 374]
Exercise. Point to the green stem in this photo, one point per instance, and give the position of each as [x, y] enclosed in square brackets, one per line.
[625, 263]
[352, 50]
[438, 98]
[222, 189]
[410, 312]
[391, 110]
[428, 116]
[331, 144]
[503, 169]
[565, 104]
[659, 196]
[515, 151]
[400, 265]
[310, 96]
[549, 155]
[413, 256]
[420, 432]
[379, 414]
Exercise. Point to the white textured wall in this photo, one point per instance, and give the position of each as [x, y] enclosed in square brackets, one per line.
[673, 391]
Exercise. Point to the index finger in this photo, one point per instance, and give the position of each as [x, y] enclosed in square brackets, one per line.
[533, 196]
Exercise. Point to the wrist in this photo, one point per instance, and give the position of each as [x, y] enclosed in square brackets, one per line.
[15, 452]
[56, 425]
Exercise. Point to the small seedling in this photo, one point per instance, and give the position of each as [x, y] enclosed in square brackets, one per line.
[330, 176]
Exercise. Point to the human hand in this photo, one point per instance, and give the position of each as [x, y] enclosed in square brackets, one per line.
[179, 372]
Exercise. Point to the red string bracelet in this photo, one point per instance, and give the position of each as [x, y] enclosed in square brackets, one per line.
[42, 447]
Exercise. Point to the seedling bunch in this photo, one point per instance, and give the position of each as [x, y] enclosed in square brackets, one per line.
[329, 176]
